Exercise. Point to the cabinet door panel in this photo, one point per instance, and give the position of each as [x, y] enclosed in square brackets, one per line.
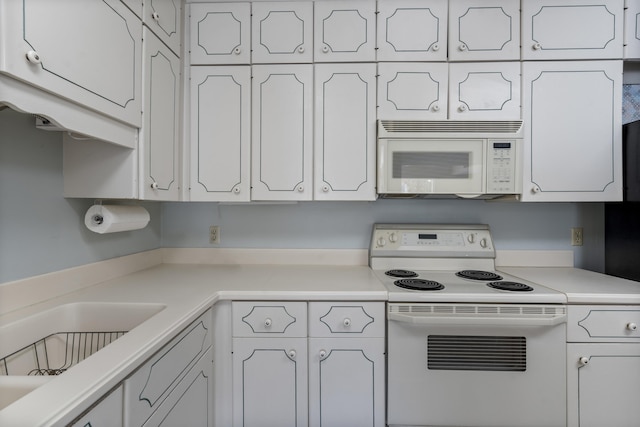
[572, 143]
[164, 18]
[346, 382]
[270, 382]
[73, 52]
[345, 132]
[572, 29]
[220, 133]
[159, 148]
[220, 33]
[605, 390]
[344, 33]
[489, 31]
[412, 30]
[412, 91]
[107, 413]
[484, 91]
[632, 30]
[282, 32]
[282, 132]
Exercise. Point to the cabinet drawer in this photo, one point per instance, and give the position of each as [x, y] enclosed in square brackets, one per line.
[603, 324]
[148, 387]
[252, 319]
[331, 319]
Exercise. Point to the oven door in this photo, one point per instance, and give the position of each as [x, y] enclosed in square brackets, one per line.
[476, 365]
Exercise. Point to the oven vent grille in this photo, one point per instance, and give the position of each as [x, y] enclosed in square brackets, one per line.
[479, 310]
[449, 126]
[477, 353]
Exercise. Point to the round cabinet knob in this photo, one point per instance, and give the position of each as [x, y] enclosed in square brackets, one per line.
[236, 190]
[325, 188]
[292, 354]
[237, 51]
[33, 57]
[381, 241]
[325, 49]
[462, 47]
[156, 16]
[323, 354]
[267, 322]
[300, 49]
[346, 322]
[583, 361]
[535, 189]
[536, 46]
[393, 237]
[436, 47]
[462, 108]
[154, 185]
[435, 108]
[300, 188]
[632, 326]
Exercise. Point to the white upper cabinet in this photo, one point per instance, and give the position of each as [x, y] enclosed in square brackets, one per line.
[412, 30]
[282, 32]
[164, 18]
[220, 133]
[486, 31]
[159, 147]
[345, 142]
[484, 90]
[632, 29]
[282, 132]
[413, 91]
[572, 29]
[220, 33]
[90, 54]
[345, 31]
[573, 134]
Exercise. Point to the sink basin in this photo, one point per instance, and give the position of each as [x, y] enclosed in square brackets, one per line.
[13, 388]
[53, 340]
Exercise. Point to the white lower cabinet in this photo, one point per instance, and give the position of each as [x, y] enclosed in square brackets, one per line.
[176, 384]
[603, 366]
[332, 375]
[106, 413]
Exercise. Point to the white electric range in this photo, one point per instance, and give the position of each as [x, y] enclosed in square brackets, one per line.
[466, 345]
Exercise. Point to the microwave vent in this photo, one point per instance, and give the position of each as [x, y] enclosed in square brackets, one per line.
[451, 126]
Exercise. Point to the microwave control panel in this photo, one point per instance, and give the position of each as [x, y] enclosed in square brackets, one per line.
[501, 166]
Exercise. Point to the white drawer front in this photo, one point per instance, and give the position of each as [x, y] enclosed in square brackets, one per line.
[603, 324]
[146, 389]
[284, 319]
[330, 319]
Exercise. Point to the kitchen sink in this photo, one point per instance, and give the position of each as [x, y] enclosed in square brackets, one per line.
[50, 342]
[13, 388]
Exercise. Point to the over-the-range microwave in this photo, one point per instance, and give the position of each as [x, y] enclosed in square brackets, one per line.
[449, 158]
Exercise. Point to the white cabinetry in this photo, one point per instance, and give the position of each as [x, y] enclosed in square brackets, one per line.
[220, 133]
[345, 31]
[106, 413]
[176, 383]
[345, 139]
[603, 366]
[412, 30]
[159, 148]
[572, 29]
[282, 32]
[282, 132]
[164, 18]
[572, 143]
[437, 91]
[220, 33]
[632, 30]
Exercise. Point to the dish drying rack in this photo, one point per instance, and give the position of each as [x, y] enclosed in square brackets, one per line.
[56, 353]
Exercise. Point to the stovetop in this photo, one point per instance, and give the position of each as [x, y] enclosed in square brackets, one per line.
[447, 263]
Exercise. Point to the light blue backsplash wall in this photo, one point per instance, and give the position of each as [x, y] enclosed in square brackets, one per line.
[41, 231]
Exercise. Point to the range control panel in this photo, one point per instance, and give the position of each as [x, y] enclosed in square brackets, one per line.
[414, 240]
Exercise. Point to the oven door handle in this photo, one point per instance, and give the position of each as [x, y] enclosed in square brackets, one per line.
[479, 320]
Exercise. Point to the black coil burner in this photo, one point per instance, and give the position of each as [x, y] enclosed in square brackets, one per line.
[419, 284]
[510, 286]
[478, 275]
[401, 273]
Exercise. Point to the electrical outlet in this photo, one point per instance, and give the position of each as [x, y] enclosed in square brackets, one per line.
[214, 234]
[577, 236]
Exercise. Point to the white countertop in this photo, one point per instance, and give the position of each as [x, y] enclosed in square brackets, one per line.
[187, 291]
[581, 286]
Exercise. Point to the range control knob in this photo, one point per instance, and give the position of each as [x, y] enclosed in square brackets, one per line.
[471, 238]
[483, 243]
[381, 241]
[393, 237]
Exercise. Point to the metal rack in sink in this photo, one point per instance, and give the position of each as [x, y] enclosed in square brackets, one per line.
[56, 353]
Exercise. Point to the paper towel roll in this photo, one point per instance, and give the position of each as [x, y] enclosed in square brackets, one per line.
[113, 218]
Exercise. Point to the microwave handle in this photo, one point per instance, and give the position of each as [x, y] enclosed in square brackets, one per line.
[479, 321]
